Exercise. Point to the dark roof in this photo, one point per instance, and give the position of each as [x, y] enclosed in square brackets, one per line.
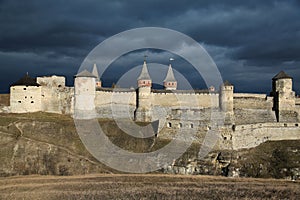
[281, 75]
[227, 83]
[85, 73]
[26, 81]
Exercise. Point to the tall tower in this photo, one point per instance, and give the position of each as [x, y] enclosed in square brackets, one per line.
[170, 82]
[85, 92]
[143, 109]
[283, 96]
[226, 100]
[95, 73]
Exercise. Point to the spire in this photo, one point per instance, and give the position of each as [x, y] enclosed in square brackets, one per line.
[170, 75]
[144, 73]
[95, 72]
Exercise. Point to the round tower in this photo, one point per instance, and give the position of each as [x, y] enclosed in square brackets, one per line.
[85, 84]
[226, 97]
[144, 82]
[283, 95]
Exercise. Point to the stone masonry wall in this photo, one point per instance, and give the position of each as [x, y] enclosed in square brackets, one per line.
[248, 136]
[25, 99]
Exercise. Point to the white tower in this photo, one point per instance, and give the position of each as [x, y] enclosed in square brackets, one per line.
[85, 84]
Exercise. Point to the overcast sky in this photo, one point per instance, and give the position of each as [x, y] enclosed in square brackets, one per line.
[250, 41]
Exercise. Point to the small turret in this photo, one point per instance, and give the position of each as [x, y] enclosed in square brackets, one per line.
[95, 73]
[144, 79]
[170, 82]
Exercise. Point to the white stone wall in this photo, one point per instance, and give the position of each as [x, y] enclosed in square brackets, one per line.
[57, 99]
[25, 99]
[251, 135]
[104, 98]
[185, 100]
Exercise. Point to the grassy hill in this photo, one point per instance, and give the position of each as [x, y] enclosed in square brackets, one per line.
[48, 144]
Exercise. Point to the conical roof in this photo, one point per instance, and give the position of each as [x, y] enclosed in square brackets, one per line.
[26, 80]
[85, 73]
[170, 75]
[281, 75]
[144, 73]
[227, 83]
[95, 72]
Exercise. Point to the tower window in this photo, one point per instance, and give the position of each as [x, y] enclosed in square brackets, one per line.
[192, 125]
[180, 125]
[169, 124]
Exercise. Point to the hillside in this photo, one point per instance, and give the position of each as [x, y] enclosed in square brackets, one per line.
[48, 144]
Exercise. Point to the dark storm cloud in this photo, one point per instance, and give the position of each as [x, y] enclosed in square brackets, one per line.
[253, 39]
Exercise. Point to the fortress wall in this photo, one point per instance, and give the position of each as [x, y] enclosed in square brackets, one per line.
[251, 116]
[252, 101]
[182, 100]
[25, 99]
[115, 104]
[248, 136]
[104, 98]
[57, 99]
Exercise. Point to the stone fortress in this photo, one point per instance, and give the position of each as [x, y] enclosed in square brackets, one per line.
[248, 119]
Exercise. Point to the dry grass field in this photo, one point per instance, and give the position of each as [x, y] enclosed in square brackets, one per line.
[108, 186]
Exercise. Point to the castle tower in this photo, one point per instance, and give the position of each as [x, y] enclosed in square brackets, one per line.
[170, 82]
[25, 95]
[95, 73]
[85, 92]
[226, 101]
[143, 110]
[283, 96]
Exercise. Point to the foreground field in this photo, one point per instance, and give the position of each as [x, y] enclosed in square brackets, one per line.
[104, 186]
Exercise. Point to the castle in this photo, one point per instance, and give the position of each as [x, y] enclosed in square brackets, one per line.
[249, 119]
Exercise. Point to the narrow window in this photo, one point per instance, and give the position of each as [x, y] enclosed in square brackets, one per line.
[169, 124]
[192, 125]
[32, 102]
[180, 125]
